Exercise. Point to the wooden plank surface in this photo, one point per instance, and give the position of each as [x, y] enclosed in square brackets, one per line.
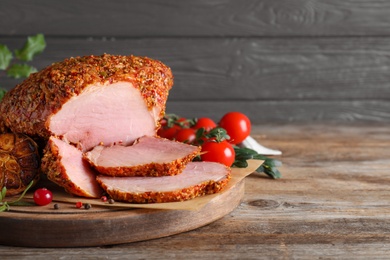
[102, 225]
[251, 69]
[332, 202]
[153, 18]
[269, 79]
[277, 61]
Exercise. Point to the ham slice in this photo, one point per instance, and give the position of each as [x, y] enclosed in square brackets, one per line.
[64, 165]
[149, 156]
[197, 179]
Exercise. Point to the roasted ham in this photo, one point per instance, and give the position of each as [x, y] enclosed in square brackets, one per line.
[149, 156]
[197, 179]
[83, 99]
[64, 165]
[99, 106]
[83, 102]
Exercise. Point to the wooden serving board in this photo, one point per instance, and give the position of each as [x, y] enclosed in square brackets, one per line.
[106, 224]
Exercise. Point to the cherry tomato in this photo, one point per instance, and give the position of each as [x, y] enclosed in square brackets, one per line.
[222, 152]
[167, 132]
[186, 135]
[206, 123]
[237, 126]
[170, 132]
[42, 196]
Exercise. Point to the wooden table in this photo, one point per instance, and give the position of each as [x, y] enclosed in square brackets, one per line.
[332, 202]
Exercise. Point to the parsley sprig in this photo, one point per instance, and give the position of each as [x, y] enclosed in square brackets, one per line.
[15, 64]
[5, 205]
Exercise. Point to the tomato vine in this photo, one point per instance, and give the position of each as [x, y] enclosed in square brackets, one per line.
[173, 124]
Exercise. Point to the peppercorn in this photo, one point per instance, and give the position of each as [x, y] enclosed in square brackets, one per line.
[56, 206]
[87, 206]
[111, 201]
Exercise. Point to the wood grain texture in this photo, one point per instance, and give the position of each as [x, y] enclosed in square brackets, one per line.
[266, 112]
[251, 69]
[278, 61]
[303, 79]
[331, 203]
[195, 18]
[46, 227]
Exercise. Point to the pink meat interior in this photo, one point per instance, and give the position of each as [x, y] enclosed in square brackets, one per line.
[147, 150]
[104, 114]
[78, 171]
[194, 173]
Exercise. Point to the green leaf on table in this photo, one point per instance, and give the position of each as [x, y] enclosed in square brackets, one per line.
[20, 71]
[269, 165]
[33, 46]
[5, 57]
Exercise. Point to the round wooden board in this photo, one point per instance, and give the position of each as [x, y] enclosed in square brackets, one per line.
[109, 226]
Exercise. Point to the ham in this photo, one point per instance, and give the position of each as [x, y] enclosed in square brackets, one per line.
[108, 108]
[149, 156]
[82, 99]
[197, 179]
[82, 102]
[64, 165]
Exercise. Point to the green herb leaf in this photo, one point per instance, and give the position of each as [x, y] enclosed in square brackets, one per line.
[5, 57]
[269, 165]
[2, 193]
[2, 93]
[22, 203]
[24, 193]
[20, 71]
[218, 133]
[33, 46]
[4, 207]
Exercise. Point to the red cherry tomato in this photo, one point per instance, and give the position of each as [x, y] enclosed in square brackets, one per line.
[222, 152]
[170, 132]
[42, 196]
[237, 126]
[206, 123]
[186, 135]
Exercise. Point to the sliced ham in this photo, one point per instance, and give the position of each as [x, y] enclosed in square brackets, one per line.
[149, 156]
[64, 165]
[197, 179]
[87, 101]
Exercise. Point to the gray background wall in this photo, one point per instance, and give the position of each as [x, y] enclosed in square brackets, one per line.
[277, 61]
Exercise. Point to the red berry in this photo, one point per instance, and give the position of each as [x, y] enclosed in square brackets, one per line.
[79, 204]
[42, 196]
[103, 198]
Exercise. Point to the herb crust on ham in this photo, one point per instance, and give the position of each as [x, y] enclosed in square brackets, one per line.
[148, 156]
[28, 107]
[197, 179]
[63, 165]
